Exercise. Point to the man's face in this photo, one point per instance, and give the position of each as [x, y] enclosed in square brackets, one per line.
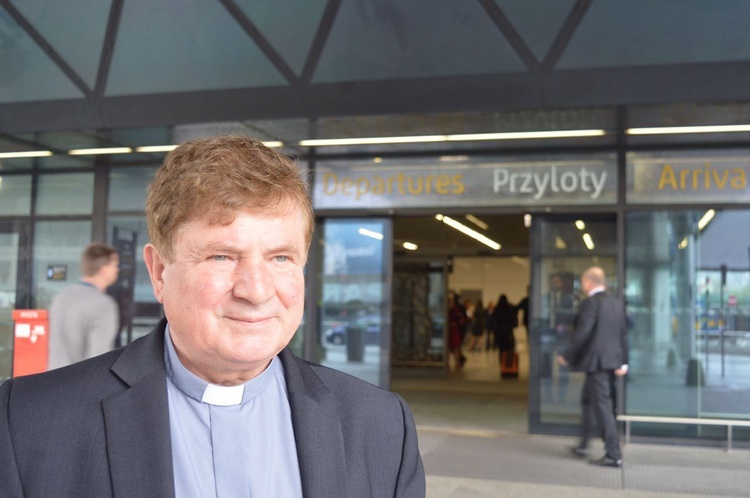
[233, 294]
[586, 285]
[112, 269]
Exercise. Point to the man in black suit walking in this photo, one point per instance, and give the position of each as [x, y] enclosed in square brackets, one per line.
[599, 348]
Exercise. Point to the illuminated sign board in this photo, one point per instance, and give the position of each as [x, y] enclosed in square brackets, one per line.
[591, 180]
[663, 178]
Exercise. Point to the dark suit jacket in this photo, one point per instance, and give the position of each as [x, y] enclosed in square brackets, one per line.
[599, 339]
[100, 428]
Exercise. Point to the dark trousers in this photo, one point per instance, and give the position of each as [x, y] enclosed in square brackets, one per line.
[598, 405]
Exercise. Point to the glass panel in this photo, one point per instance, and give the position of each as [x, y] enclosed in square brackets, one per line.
[354, 316]
[139, 309]
[688, 293]
[201, 34]
[8, 267]
[537, 21]
[59, 244]
[362, 45]
[15, 195]
[290, 25]
[419, 311]
[69, 193]
[29, 74]
[640, 33]
[561, 254]
[60, 24]
[127, 188]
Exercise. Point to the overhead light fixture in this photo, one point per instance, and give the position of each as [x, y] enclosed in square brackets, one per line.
[321, 142]
[101, 150]
[377, 160]
[683, 243]
[467, 137]
[25, 153]
[520, 261]
[588, 241]
[453, 159]
[468, 231]
[156, 148]
[706, 219]
[410, 246]
[477, 221]
[525, 135]
[560, 243]
[370, 233]
[668, 130]
[527, 220]
[273, 144]
[580, 225]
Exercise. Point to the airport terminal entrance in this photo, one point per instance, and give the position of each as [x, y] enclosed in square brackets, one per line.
[562, 248]
[385, 317]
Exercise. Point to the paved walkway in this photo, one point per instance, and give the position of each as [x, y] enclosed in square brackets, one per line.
[473, 435]
[465, 464]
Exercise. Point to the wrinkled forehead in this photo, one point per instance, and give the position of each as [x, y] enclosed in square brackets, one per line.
[219, 216]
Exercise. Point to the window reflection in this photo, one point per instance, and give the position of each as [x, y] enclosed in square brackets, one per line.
[688, 294]
[354, 326]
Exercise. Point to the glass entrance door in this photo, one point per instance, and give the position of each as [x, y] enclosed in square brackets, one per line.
[354, 307]
[561, 249]
[13, 289]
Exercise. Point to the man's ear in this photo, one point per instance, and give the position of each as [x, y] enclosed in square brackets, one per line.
[155, 264]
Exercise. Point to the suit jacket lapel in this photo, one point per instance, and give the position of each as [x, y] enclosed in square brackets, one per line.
[317, 431]
[137, 421]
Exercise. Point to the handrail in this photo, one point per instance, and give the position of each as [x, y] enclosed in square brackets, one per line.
[657, 419]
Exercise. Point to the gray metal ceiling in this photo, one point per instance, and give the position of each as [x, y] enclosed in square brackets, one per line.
[99, 64]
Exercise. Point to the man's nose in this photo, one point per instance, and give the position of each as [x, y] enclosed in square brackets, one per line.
[253, 281]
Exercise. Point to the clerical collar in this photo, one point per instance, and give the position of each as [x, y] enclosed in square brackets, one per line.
[201, 391]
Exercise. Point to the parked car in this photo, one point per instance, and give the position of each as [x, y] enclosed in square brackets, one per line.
[369, 323]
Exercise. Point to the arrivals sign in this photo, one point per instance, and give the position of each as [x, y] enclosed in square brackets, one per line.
[592, 180]
[684, 177]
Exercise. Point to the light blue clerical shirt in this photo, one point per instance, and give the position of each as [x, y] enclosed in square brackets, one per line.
[231, 441]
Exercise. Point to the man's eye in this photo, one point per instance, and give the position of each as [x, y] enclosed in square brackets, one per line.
[219, 258]
[282, 259]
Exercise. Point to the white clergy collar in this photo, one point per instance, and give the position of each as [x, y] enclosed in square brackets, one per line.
[198, 389]
[223, 395]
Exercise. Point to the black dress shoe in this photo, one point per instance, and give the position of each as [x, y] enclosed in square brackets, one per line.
[607, 461]
[579, 452]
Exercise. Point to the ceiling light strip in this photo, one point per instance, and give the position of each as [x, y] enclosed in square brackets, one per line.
[371, 140]
[523, 135]
[156, 148]
[477, 222]
[469, 137]
[468, 231]
[667, 130]
[103, 150]
[588, 241]
[370, 233]
[25, 153]
[706, 219]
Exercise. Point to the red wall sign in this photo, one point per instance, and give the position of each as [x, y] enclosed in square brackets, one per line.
[29, 341]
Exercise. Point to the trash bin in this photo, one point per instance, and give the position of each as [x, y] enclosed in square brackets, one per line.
[355, 344]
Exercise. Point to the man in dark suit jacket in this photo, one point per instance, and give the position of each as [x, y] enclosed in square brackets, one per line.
[598, 347]
[230, 223]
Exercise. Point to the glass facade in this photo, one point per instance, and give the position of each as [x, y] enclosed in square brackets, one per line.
[355, 331]
[688, 295]
[65, 193]
[668, 226]
[564, 248]
[57, 244]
